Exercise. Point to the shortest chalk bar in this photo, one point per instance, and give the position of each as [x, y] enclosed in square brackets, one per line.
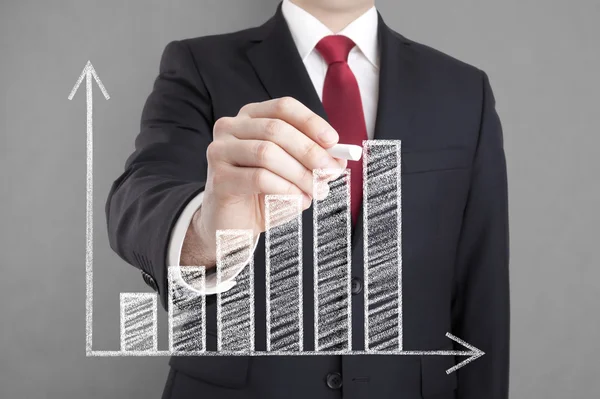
[349, 152]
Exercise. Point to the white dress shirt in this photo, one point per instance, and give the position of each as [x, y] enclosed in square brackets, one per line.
[307, 31]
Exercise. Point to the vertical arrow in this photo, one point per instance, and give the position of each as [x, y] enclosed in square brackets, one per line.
[88, 73]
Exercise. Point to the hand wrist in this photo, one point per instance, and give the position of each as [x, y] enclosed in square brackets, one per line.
[196, 249]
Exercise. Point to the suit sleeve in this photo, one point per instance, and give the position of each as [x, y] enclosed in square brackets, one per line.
[211, 286]
[481, 305]
[167, 169]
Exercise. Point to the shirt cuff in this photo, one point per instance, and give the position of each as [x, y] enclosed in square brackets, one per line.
[176, 242]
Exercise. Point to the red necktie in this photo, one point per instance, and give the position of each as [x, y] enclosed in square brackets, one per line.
[343, 105]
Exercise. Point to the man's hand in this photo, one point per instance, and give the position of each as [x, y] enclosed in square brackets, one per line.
[268, 148]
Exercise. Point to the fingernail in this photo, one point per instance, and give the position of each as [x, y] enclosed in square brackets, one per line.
[307, 201]
[325, 162]
[328, 136]
[322, 190]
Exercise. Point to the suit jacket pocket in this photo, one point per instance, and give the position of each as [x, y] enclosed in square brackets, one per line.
[418, 161]
[434, 380]
[223, 371]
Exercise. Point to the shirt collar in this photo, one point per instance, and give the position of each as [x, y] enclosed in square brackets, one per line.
[307, 31]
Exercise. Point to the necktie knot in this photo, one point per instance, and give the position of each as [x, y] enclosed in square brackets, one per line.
[335, 48]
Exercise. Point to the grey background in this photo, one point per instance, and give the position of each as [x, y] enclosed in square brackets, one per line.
[543, 60]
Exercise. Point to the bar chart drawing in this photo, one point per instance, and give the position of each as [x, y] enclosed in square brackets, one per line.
[382, 241]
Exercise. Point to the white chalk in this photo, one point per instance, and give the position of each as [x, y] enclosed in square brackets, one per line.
[349, 152]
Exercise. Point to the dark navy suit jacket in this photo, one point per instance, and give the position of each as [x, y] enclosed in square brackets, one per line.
[454, 200]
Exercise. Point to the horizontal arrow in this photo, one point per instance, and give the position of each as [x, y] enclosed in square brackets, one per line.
[473, 353]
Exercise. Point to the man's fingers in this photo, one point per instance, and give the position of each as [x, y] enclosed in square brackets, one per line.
[232, 180]
[268, 155]
[298, 145]
[296, 114]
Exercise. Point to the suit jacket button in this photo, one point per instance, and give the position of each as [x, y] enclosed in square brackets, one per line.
[149, 280]
[356, 286]
[334, 380]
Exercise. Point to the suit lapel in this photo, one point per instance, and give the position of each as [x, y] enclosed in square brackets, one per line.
[279, 66]
[399, 82]
[398, 86]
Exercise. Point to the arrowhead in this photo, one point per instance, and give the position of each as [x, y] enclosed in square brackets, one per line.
[88, 70]
[473, 353]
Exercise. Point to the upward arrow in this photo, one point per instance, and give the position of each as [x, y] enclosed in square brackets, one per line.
[88, 73]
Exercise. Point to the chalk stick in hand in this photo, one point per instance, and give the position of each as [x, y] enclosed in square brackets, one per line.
[346, 151]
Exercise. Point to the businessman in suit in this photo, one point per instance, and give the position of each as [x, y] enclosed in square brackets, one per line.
[235, 117]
